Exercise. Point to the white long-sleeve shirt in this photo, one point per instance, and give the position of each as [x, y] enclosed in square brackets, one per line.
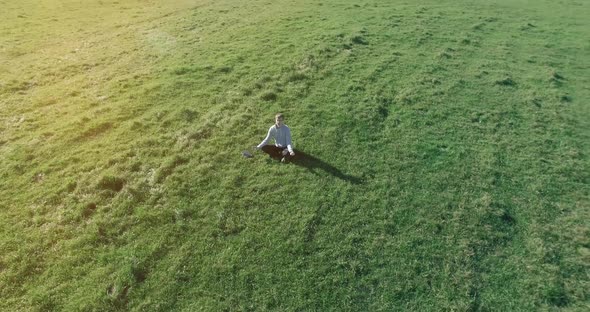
[281, 135]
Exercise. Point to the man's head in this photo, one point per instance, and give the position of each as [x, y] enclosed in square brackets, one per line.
[279, 120]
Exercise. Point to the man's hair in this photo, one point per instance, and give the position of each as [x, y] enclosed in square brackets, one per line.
[279, 115]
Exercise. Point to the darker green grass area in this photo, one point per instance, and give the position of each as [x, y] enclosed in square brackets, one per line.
[442, 156]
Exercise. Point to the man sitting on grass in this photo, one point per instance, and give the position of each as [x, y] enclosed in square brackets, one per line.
[282, 136]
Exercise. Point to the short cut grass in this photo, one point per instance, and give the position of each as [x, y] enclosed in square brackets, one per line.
[443, 161]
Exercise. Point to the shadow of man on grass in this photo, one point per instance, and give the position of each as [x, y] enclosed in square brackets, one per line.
[310, 162]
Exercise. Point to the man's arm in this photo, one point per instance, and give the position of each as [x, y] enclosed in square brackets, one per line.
[265, 141]
[289, 145]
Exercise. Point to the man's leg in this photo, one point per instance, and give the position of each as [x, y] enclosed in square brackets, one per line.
[272, 151]
[286, 157]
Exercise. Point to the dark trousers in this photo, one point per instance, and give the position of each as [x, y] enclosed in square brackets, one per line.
[276, 152]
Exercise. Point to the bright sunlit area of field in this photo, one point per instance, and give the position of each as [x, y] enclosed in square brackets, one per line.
[442, 155]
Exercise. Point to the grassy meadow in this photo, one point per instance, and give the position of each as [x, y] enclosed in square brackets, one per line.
[443, 155]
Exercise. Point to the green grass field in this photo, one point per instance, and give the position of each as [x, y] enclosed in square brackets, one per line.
[444, 155]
